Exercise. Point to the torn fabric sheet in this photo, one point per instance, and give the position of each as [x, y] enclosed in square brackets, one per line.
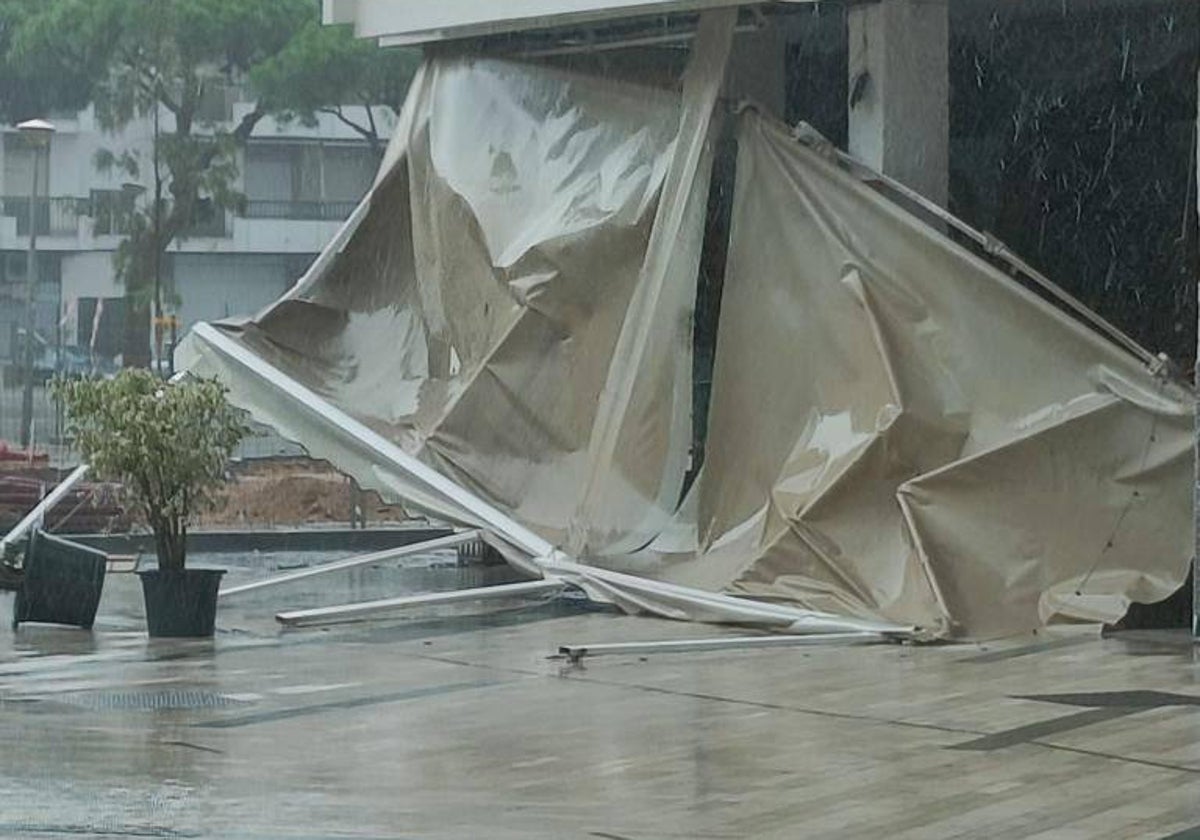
[461, 319]
[899, 430]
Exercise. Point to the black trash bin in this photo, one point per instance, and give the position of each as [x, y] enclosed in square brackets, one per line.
[63, 582]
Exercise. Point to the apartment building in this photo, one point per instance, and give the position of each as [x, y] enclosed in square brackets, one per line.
[300, 183]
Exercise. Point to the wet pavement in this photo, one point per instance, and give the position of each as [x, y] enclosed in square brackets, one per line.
[456, 723]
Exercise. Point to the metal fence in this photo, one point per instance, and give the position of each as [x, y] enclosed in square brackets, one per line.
[60, 216]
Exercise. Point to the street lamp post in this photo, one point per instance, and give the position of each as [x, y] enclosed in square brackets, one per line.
[158, 200]
[158, 314]
[38, 133]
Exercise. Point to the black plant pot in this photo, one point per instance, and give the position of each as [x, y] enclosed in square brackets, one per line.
[181, 602]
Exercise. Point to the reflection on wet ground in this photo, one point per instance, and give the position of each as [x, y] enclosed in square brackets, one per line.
[455, 722]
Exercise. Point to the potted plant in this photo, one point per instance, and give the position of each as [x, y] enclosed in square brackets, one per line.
[168, 444]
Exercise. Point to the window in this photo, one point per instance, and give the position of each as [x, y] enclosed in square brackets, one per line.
[111, 212]
[18, 168]
[208, 219]
[216, 101]
[306, 180]
[14, 263]
[349, 171]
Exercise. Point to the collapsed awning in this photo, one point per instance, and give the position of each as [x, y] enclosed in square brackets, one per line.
[900, 435]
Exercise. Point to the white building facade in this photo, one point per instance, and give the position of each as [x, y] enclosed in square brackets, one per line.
[300, 183]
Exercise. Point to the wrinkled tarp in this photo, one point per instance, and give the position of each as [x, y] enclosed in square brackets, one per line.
[463, 320]
[897, 430]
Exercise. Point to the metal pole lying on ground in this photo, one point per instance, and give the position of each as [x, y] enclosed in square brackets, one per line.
[35, 516]
[345, 612]
[620, 586]
[577, 652]
[358, 560]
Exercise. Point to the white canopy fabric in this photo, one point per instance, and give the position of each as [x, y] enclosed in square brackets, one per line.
[899, 429]
[899, 434]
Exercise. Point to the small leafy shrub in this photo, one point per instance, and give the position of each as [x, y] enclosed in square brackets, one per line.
[166, 443]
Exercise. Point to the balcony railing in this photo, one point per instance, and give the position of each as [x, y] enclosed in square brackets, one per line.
[59, 216]
[53, 216]
[320, 211]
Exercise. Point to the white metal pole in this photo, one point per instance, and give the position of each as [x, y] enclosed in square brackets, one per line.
[729, 608]
[577, 652]
[356, 561]
[31, 279]
[347, 612]
[35, 516]
[991, 245]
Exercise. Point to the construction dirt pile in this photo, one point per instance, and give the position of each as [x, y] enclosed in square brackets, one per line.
[264, 493]
[295, 491]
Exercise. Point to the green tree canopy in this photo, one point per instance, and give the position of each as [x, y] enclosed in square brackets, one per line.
[32, 85]
[325, 68]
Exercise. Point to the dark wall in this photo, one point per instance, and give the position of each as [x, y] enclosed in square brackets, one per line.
[1072, 125]
[1071, 140]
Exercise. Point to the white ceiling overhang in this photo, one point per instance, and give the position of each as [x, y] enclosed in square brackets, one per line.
[404, 22]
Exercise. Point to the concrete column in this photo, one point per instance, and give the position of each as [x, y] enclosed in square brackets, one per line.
[1196, 487]
[899, 91]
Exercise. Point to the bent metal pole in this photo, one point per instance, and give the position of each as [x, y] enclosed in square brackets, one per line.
[35, 516]
[396, 553]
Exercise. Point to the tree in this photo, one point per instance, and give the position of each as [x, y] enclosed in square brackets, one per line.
[323, 69]
[30, 86]
[160, 59]
[167, 443]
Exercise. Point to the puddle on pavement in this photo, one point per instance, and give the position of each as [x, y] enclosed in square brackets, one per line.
[247, 619]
